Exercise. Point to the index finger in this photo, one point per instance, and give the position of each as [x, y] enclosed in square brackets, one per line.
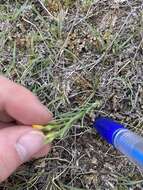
[20, 104]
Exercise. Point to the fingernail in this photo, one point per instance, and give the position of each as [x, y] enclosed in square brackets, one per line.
[29, 144]
[50, 114]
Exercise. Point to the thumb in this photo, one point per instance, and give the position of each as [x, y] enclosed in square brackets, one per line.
[17, 145]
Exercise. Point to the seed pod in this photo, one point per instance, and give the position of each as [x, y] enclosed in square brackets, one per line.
[40, 127]
[51, 127]
[51, 136]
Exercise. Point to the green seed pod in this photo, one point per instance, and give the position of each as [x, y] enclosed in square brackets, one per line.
[50, 127]
[51, 136]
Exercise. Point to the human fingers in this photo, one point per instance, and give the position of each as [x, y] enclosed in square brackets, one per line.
[21, 105]
[43, 152]
[17, 145]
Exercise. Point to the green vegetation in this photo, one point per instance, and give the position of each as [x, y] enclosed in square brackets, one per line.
[72, 54]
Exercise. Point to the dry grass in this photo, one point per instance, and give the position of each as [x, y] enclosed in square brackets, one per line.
[70, 53]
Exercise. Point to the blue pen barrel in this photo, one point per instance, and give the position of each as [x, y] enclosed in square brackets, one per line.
[130, 145]
[127, 142]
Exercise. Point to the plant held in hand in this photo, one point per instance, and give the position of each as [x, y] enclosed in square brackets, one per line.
[61, 125]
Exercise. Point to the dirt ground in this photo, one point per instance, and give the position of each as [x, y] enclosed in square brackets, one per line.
[68, 53]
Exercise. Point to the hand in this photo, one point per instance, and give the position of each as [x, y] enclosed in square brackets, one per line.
[19, 109]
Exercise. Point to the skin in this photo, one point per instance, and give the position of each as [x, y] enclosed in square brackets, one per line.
[19, 109]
